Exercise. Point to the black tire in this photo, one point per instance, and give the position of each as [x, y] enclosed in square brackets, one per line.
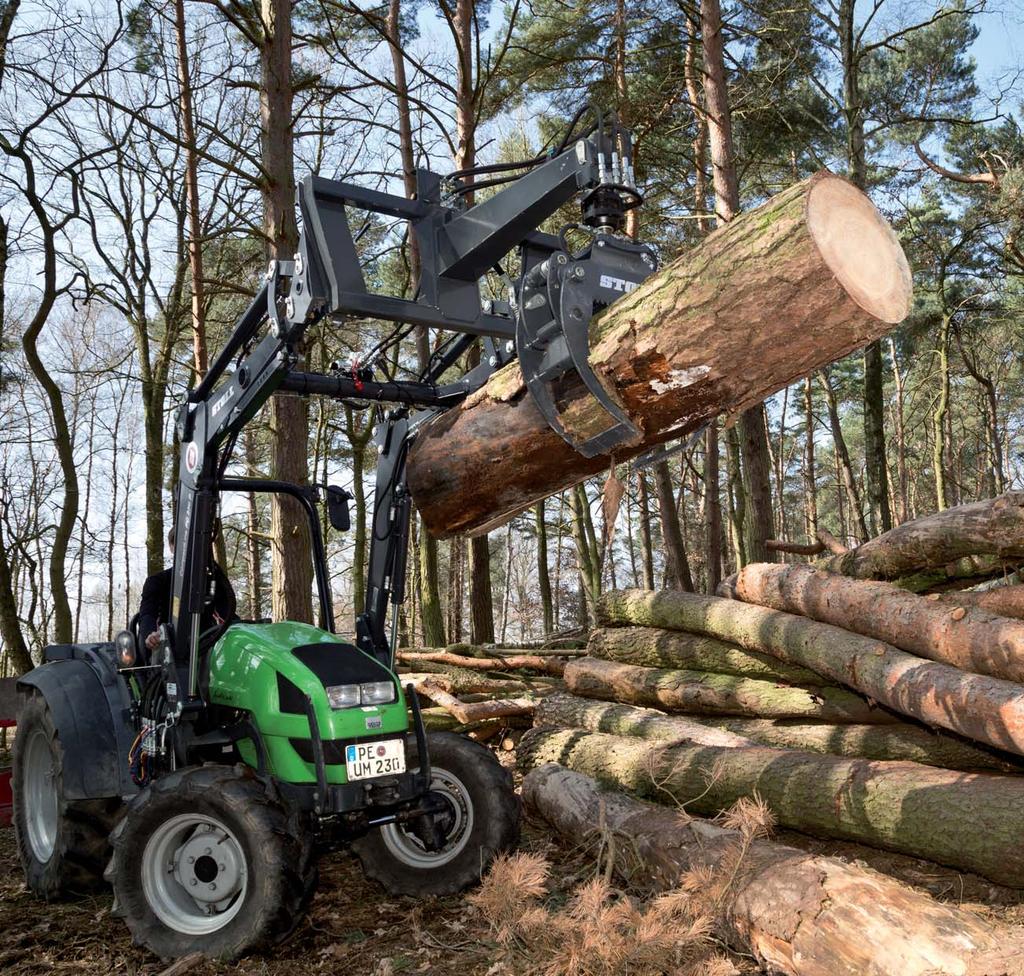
[393, 856]
[272, 847]
[62, 844]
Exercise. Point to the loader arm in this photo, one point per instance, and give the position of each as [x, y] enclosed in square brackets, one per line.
[458, 245]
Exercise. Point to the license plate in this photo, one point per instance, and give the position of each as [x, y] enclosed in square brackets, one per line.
[368, 759]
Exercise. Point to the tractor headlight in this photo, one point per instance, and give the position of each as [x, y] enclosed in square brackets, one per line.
[343, 696]
[377, 692]
[368, 693]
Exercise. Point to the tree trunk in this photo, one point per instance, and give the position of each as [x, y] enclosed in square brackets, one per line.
[195, 230]
[706, 693]
[736, 496]
[1005, 601]
[677, 566]
[715, 330]
[972, 640]
[896, 806]
[809, 473]
[876, 469]
[653, 648]
[843, 458]
[940, 452]
[646, 545]
[993, 527]
[543, 577]
[713, 510]
[798, 914]
[988, 710]
[292, 568]
[900, 743]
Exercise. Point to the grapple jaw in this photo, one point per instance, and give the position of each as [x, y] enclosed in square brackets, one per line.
[558, 298]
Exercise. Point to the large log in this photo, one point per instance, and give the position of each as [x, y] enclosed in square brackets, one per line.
[797, 913]
[771, 296]
[900, 743]
[705, 693]
[988, 710]
[971, 639]
[655, 648]
[968, 821]
[993, 527]
[1004, 601]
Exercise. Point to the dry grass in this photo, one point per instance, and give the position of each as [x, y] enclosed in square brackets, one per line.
[601, 931]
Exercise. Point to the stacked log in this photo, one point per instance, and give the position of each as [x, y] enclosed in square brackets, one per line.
[482, 691]
[855, 709]
[798, 914]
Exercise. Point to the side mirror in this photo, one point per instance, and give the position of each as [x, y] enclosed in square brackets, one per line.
[337, 508]
[125, 650]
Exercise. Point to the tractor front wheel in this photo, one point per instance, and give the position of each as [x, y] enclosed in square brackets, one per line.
[210, 859]
[481, 819]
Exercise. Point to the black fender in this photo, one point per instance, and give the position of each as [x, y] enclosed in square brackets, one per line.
[90, 705]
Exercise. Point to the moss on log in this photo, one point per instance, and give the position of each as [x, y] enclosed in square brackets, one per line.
[987, 710]
[968, 638]
[965, 820]
[706, 693]
[779, 291]
[798, 914]
[899, 743]
[654, 648]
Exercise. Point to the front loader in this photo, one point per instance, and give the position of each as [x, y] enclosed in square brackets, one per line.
[203, 777]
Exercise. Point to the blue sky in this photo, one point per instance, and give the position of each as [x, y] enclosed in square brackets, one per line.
[999, 49]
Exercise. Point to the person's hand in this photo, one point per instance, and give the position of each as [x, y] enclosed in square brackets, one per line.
[152, 640]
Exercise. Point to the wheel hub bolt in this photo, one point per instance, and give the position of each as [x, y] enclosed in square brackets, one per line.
[191, 860]
[193, 882]
[213, 887]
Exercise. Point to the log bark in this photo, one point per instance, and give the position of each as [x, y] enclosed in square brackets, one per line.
[469, 713]
[546, 664]
[900, 743]
[967, 821]
[458, 682]
[987, 710]
[809, 276]
[706, 693]
[797, 913]
[1005, 601]
[970, 639]
[993, 527]
[655, 648]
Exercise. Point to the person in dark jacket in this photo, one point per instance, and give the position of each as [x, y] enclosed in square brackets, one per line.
[157, 591]
[154, 608]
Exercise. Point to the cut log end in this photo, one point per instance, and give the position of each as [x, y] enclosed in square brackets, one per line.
[859, 248]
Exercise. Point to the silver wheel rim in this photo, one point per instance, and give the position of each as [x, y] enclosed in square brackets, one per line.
[41, 807]
[408, 848]
[194, 874]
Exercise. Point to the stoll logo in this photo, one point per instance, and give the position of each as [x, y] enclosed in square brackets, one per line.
[618, 284]
[221, 402]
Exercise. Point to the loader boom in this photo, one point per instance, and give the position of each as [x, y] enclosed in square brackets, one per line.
[458, 245]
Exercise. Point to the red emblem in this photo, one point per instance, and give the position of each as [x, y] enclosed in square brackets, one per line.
[381, 750]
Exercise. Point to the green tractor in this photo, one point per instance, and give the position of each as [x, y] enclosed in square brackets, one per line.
[202, 777]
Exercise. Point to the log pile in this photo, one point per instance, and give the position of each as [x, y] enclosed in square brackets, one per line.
[482, 691]
[798, 914]
[856, 709]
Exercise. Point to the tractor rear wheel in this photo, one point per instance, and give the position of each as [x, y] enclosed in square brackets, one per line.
[62, 844]
[481, 821]
[210, 859]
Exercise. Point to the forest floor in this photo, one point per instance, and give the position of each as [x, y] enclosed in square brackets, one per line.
[353, 926]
